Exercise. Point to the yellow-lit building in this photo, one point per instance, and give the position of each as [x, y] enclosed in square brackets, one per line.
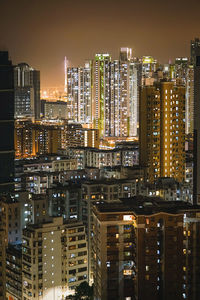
[47, 138]
[35, 138]
[162, 130]
[74, 135]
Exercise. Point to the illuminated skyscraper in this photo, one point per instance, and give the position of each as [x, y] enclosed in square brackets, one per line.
[124, 98]
[195, 59]
[183, 73]
[162, 130]
[189, 100]
[101, 100]
[133, 101]
[79, 90]
[115, 95]
[104, 93]
[114, 103]
[73, 93]
[148, 68]
[180, 69]
[27, 91]
[86, 93]
[65, 71]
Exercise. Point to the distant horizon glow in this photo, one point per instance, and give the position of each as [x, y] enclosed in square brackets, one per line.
[78, 30]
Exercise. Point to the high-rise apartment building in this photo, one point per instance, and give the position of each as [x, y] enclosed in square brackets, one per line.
[73, 86]
[195, 59]
[27, 91]
[180, 69]
[133, 98]
[115, 95]
[149, 65]
[77, 136]
[54, 259]
[189, 100]
[183, 73]
[35, 138]
[14, 272]
[123, 99]
[79, 91]
[104, 93]
[6, 123]
[146, 248]
[162, 130]
[98, 192]
[101, 101]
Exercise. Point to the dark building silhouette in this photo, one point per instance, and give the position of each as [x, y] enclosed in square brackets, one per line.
[6, 123]
[194, 50]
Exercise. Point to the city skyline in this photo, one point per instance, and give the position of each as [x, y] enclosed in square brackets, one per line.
[100, 150]
[78, 30]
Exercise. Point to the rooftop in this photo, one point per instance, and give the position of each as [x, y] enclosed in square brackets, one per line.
[143, 205]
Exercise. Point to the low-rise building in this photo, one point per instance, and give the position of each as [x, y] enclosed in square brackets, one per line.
[54, 109]
[168, 189]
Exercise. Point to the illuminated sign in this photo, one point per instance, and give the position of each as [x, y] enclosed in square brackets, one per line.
[128, 218]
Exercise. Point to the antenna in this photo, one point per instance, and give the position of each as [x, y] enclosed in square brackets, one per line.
[65, 69]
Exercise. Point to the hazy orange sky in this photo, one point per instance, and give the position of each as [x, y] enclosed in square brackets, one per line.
[42, 32]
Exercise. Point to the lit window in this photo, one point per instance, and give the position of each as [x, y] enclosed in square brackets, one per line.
[108, 264]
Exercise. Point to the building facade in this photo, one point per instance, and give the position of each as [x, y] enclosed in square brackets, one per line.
[54, 260]
[79, 93]
[143, 248]
[162, 130]
[27, 91]
[14, 272]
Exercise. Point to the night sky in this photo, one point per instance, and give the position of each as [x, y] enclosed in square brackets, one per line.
[42, 32]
